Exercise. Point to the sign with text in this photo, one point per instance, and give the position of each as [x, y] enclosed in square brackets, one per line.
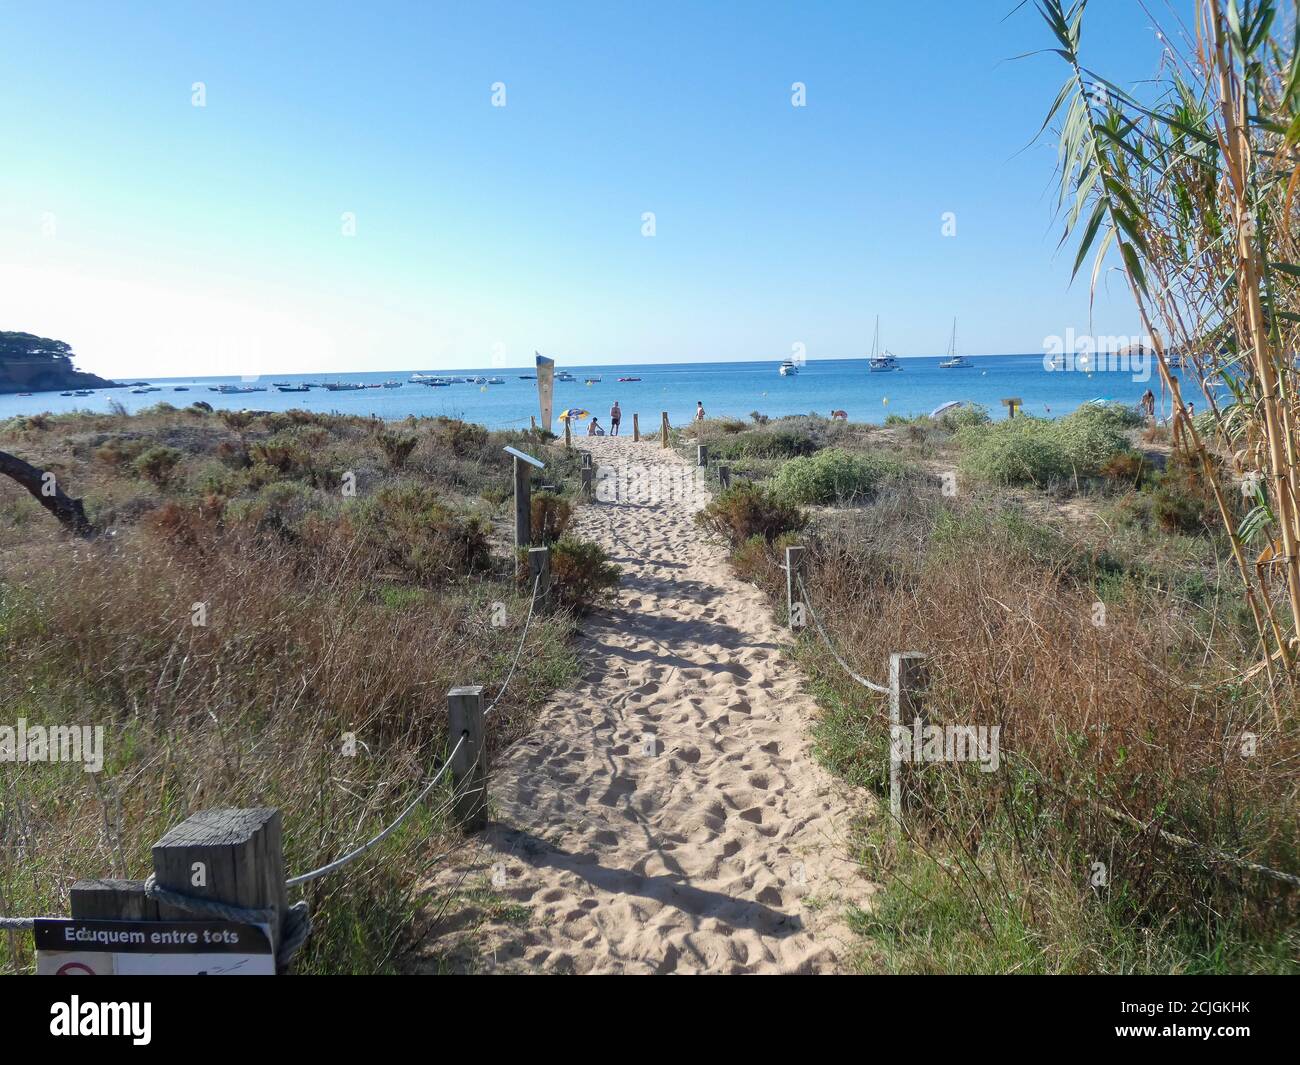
[67, 947]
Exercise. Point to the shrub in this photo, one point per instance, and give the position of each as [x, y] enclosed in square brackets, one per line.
[1034, 451]
[580, 571]
[766, 444]
[831, 476]
[747, 510]
[236, 420]
[1125, 467]
[157, 464]
[461, 438]
[550, 516]
[397, 448]
[959, 417]
[409, 527]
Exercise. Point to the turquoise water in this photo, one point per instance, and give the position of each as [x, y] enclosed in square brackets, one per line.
[725, 388]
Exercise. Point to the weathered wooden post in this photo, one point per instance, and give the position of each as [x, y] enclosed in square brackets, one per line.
[523, 504]
[724, 476]
[533, 418]
[793, 559]
[702, 455]
[469, 762]
[636, 428]
[112, 900]
[568, 434]
[539, 568]
[588, 481]
[586, 459]
[1012, 406]
[908, 679]
[230, 856]
[663, 430]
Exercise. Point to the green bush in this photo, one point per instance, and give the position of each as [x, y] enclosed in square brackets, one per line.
[765, 444]
[157, 464]
[747, 510]
[409, 527]
[831, 476]
[959, 417]
[580, 572]
[1028, 450]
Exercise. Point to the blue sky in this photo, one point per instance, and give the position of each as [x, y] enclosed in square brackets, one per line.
[161, 238]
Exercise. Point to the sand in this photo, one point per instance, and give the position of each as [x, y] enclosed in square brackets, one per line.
[666, 814]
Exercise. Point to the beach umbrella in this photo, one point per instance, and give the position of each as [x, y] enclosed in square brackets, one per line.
[573, 414]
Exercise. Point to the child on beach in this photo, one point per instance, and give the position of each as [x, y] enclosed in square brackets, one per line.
[594, 428]
[615, 416]
[699, 411]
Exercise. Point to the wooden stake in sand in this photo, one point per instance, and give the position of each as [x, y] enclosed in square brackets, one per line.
[469, 763]
[908, 679]
[663, 430]
[636, 428]
[539, 568]
[793, 559]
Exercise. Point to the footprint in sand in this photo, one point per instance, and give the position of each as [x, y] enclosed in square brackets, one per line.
[635, 863]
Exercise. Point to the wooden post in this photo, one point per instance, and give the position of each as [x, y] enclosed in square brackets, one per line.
[568, 434]
[908, 678]
[523, 505]
[539, 566]
[702, 455]
[533, 418]
[588, 475]
[636, 428]
[793, 559]
[1012, 406]
[230, 856]
[724, 476]
[586, 459]
[469, 763]
[112, 900]
[663, 430]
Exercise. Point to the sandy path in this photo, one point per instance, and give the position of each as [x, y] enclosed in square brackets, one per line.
[666, 815]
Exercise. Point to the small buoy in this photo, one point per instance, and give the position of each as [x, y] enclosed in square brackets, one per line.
[884, 400]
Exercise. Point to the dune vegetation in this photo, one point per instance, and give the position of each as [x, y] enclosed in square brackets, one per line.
[1092, 612]
[269, 612]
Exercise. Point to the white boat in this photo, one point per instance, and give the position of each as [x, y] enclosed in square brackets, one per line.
[880, 361]
[496, 380]
[954, 361]
[788, 368]
[564, 375]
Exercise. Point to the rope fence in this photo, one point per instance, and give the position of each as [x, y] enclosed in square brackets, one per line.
[903, 694]
[260, 842]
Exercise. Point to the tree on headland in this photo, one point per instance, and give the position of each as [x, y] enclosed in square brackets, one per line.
[37, 364]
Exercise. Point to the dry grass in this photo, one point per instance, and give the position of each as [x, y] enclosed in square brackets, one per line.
[324, 615]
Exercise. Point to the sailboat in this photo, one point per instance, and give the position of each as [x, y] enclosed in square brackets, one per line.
[880, 361]
[954, 361]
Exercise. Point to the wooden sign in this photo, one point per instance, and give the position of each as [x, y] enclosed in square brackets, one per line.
[71, 947]
[1012, 406]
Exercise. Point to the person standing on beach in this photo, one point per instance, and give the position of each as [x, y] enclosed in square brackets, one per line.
[699, 410]
[615, 416]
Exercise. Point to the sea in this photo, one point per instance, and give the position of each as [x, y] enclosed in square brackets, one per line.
[731, 389]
